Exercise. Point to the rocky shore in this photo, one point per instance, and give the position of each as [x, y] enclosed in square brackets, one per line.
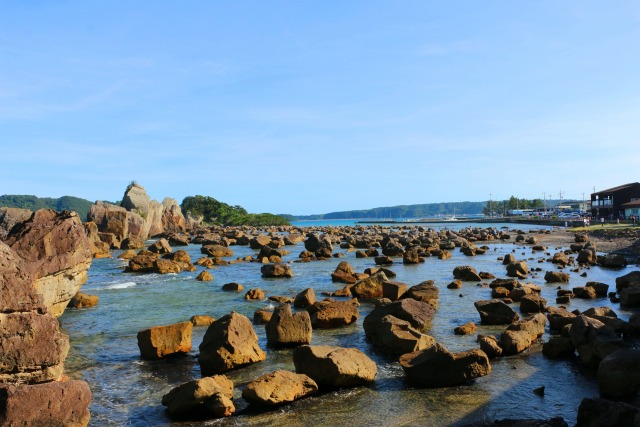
[44, 258]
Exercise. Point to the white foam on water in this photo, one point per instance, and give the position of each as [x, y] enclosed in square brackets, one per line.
[124, 285]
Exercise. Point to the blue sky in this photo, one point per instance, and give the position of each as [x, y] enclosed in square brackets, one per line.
[309, 107]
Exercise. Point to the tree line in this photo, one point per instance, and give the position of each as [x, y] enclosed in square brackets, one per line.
[215, 212]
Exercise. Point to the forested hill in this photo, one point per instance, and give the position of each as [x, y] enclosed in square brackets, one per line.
[405, 211]
[64, 203]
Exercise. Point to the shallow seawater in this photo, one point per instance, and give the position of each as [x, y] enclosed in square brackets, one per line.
[127, 390]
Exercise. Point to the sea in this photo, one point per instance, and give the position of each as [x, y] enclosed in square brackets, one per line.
[127, 391]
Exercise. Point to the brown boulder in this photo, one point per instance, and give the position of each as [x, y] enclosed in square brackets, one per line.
[395, 337]
[369, 288]
[276, 270]
[99, 249]
[593, 340]
[305, 298]
[532, 303]
[165, 266]
[330, 314]
[57, 252]
[233, 287]
[466, 329]
[50, 404]
[556, 277]
[334, 366]
[495, 312]
[82, 300]
[278, 388]
[619, 374]
[419, 314]
[216, 251]
[160, 246]
[229, 343]
[286, 329]
[518, 269]
[393, 290]
[344, 273]
[204, 276]
[160, 341]
[466, 273]
[605, 413]
[201, 320]
[9, 217]
[210, 395]
[490, 345]
[437, 367]
[425, 292]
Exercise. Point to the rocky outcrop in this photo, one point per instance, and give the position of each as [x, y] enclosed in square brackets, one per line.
[99, 249]
[593, 340]
[229, 343]
[437, 367]
[49, 404]
[334, 366]
[57, 253]
[138, 217]
[278, 388]
[160, 341]
[209, 396]
[32, 356]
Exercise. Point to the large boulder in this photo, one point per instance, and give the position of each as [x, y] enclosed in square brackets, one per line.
[395, 337]
[99, 249]
[330, 314]
[631, 279]
[619, 374]
[556, 277]
[229, 343]
[466, 273]
[593, 340]
[279, 387]
[276, 270]
[286, 329]
[210, 396]
[419, 314]
[160, 341]
[50, 404]
[518, 269]
[216, 251]
[57, 252]
[136, 199]
[334, 366]
[344, 273]
[437, 367]
[495, 312]
[426, 292]
[605, 413]
[369, 288]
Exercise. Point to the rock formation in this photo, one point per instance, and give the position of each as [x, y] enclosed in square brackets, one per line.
[57, 253]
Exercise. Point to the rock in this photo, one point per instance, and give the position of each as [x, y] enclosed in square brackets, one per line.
[602, 289]
[456, 284]
[518, 269]
[369, 288]
[276, 270]
[142, 263]
[593, 340]
[601, 412]
[172, 219]
[560, 258]
[50, 404]
[533, 303]
[466, 329]
[334, 366]
[509, 422]
[490, 345]
[305, 298]
[437, 367]
[344, 273]
[9, 217]
[556, 277]
[229, 343]
[558, 347]
[466, 273]
[166, 266]
[500, 292]
[426, 292]
[160, 246]
[495, 312]
[584, 292]
[333, 314]
[534, 326]
[612, 261]
[619, 374]
[419, 314]
[395, 337]
[262, 316]
[201, 320]
[630, 297]
[286, 329]
[233, 287]
[254, 294]
[559, 317]
[160, 341]
[628, 280]
[514, 342]
[216, 251]
[39, 358]
[57, 252]
[211, 395]
[99, 249]
[204, 276]
[393, 290]
[278, 388]
[587, 256]
[411, 257]
[82, 300]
